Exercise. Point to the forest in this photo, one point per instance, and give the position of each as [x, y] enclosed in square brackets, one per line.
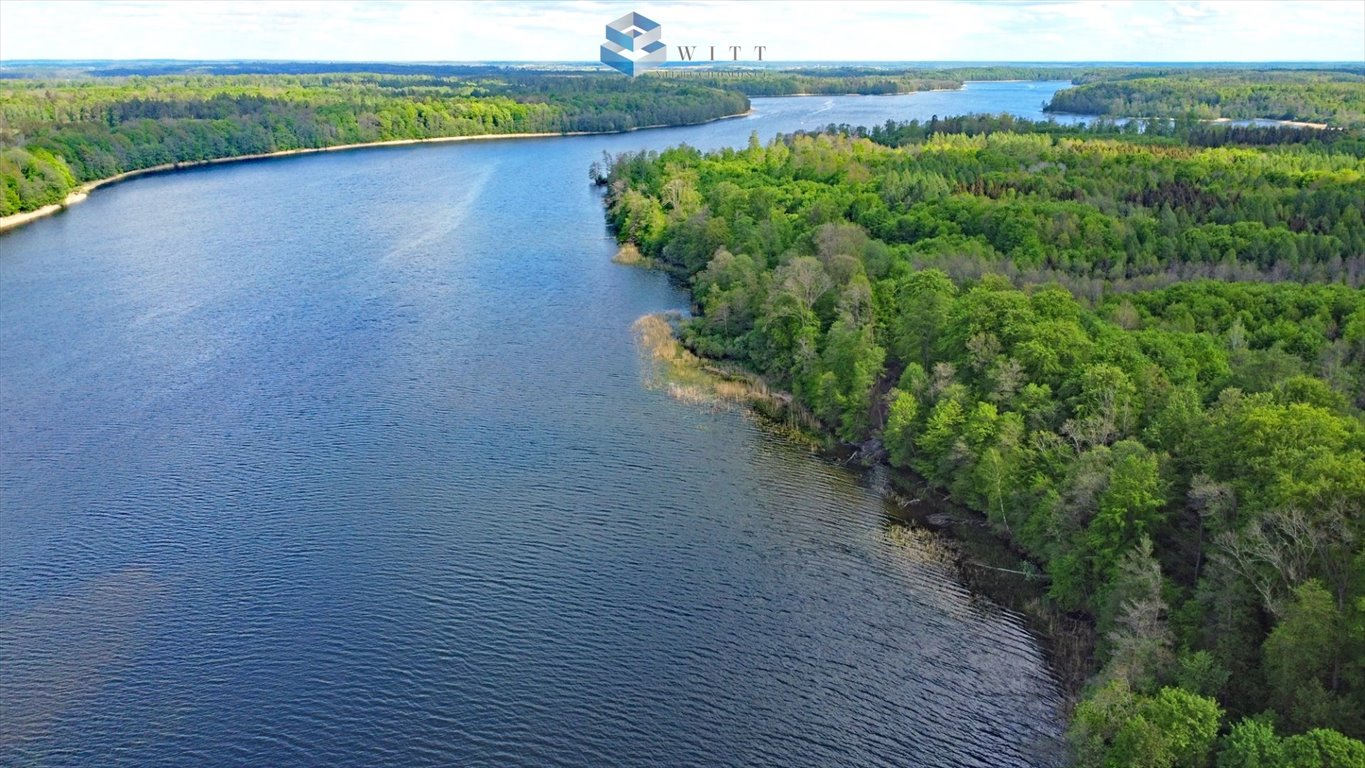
[1139, 356]
[63, 124]
[866, 80]
[66, 123]
[57, 135]
[1335, 98]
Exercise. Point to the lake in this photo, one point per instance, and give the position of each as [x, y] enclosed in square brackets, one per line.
[348, 459]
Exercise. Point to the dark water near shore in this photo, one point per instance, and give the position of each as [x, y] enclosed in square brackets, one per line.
[346, 460]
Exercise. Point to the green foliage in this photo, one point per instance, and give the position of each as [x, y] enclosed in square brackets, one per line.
[1129, 508]
[1115, 728]
[819, 81]
[1185, 460]
[1137, 634]
[921, 312]
[1098, 720]
[1336, 98]
[1253, 743]
[852, 361]
[57, 134]
[1076, 206]
[1322, 748]
[1199, 672]
[32, 179]
[900, 425]
[1303, 659]
[1187, 724]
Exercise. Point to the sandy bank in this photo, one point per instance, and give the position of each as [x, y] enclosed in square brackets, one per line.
[79, 194]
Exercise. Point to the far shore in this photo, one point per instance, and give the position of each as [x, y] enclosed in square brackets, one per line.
[897, 93]
[963, 87]
[1215, 120]
[81, 193]
[1291, 123]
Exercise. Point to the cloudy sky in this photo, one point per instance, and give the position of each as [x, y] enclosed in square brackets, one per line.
[792, 30]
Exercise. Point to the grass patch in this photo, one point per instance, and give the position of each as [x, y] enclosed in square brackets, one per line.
[630, 256]
[688, 378]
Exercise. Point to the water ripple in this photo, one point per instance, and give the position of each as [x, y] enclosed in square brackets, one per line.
[345, 460]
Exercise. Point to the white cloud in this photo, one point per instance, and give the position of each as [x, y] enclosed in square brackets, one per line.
[934, 30]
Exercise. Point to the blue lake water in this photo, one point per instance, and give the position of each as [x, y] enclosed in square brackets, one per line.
[348, 460]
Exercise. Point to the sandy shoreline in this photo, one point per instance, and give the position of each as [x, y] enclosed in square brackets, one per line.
[81, 193]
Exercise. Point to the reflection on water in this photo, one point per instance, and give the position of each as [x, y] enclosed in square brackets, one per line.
[61, 650]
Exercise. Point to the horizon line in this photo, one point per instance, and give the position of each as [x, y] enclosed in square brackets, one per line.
[418, 62]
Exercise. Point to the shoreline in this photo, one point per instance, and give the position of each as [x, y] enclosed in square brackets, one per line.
[1290, 123]
[1210, 120]
[962, 87]
[983, 561]
[78, 195]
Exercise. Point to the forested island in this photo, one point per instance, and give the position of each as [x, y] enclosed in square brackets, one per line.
[1139, 356]
[1333, 98]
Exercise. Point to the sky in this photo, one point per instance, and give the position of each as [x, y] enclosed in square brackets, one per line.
[791, 30]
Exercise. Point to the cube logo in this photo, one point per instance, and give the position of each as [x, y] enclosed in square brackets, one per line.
[633, 45]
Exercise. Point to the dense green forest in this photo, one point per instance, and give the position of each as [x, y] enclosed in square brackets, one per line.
[1091, 338]
[811, 82]
[1176, 131]
[62, 124]
[1334, 98]
[55, 135]
[865, 80]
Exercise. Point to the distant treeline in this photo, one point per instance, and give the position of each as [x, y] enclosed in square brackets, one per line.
[54, 136]
[65, 123]
[1179, 130]
[1336, 98]
[1155, 209]
[790, 83]
[1185, 464]
[52, 70]
[860, 79]
[93, 121]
